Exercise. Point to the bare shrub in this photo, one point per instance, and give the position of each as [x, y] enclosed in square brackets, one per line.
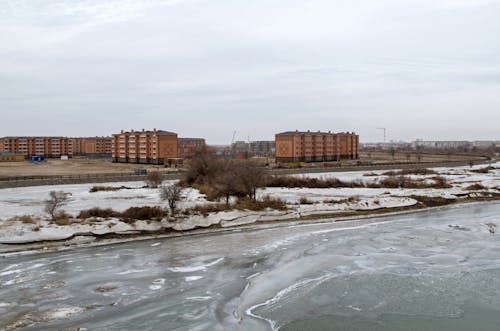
[154, 179]
[484, 170]
[440, 182]
[267, 202]
[405, 172]
[57, 199]
[206, 209]
[354, 198]
[27, 219]
[172, 194]
[305, 201]
[62, 218]
[387, 182]
[291, 182]
[98, 212]
[407, 182]
[475, 187]
[143, 213]
[106, 188]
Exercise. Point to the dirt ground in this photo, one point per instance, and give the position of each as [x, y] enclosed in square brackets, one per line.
[76, 166]
[83, 166]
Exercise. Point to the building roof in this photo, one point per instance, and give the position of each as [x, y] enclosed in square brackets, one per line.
[294, 133]
[34, 137]
[158, 132]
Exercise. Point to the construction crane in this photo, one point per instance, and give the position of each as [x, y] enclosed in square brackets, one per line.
[232, 139]
[230, 147]
[385, 130]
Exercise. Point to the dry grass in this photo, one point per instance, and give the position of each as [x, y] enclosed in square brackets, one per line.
[241, 204]
[62, 218]
[143, 213]
[305, 201]
[131, 214]
[437, 182]
[27, 219]
[207, 209]
[265, 203]
[351, 199]
[107, 188]
[405, 172]
[475, 187]
[484, 170]
[292, 182]
[98, 212]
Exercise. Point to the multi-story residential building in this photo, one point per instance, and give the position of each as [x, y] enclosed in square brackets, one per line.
[299, 146]
[262, 148]
[42, 146]
[442, 144]
[186, 147]
[154, 147]
[92, 146]
[54, 147]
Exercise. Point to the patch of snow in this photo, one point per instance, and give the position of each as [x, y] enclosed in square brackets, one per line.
[193, 278]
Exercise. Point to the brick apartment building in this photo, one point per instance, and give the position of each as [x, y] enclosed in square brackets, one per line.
[154, 147]
[54, 147]
[42, 146]
[92, 146]
[186, 147]
[299, 146]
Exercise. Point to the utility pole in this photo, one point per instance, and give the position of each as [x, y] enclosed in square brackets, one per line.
[385, 130]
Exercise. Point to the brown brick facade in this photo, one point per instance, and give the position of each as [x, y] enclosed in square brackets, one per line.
[154, 147]
[92, 146]
[54, 147]
[297, 146]
[188, 146]
[42, 146]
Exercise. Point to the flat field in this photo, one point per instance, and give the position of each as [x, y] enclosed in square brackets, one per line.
[75, 166]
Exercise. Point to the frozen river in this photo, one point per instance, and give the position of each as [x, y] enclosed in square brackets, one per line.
[435, 270]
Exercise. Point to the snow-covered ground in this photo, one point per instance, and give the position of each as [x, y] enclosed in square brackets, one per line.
[30, 201]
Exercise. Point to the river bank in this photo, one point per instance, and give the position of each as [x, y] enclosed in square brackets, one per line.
[24, 227]
[341, 220]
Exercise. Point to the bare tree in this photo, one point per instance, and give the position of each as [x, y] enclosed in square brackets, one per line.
[408, 157]
[56, 200]
[202, 167]
[173, 194]
[226, 182]
[251, 176]
[154, 179]
[393, 153]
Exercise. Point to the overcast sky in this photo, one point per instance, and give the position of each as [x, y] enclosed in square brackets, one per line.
[425, 69]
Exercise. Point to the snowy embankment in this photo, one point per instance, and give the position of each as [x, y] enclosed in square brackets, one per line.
[301, 202]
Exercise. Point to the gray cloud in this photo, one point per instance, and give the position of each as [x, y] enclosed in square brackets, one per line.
[205, 68]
